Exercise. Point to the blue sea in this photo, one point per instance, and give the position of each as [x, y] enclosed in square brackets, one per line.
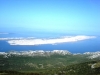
[90, 45]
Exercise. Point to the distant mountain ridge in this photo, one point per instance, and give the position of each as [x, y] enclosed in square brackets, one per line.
[90, 55]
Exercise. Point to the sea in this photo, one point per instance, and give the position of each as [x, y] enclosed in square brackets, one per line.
[89, 45]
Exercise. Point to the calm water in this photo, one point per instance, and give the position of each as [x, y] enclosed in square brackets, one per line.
[74, 47]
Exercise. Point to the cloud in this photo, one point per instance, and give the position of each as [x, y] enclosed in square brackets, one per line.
[34, 41]
[17, 38]
[12, 38]
[4, 33]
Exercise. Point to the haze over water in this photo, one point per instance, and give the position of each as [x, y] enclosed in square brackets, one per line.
[48, 24]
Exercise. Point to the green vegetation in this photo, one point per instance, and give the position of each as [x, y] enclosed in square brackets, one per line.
[50, 65]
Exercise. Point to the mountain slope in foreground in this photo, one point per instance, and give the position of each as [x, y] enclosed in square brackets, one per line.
[49, 63]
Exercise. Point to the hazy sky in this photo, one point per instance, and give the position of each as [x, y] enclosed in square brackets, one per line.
[80, 16]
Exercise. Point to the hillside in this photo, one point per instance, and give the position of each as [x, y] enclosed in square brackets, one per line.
[47, 63]
[75, 69]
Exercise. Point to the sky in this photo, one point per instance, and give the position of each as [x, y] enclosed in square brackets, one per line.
[62, 16]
